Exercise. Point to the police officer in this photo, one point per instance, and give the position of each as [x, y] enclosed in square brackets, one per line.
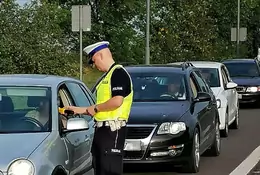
[111, 112]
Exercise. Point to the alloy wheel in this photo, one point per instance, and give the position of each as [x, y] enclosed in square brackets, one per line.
[237, 118]
[217, 136]
[197, 149]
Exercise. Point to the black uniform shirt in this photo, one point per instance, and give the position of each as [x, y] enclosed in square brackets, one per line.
[120, 82]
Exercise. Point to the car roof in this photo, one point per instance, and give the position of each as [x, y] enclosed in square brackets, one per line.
[239, 60]
[204, 64]
[33, 80]
[160, 68]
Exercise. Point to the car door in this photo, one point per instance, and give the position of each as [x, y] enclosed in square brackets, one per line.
[73, 140]
[199, 110]
[234, 95]
[229, 93]
[82, 99]
[208, 107]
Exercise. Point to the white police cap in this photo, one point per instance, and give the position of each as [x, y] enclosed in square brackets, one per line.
[94, 48]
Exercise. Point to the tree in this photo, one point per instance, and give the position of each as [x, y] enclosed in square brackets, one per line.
[34, 42]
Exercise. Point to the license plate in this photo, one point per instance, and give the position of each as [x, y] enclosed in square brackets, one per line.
[239, 96]
[131, 145]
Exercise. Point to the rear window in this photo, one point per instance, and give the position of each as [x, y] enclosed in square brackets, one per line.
[242, 69]
[211, 75]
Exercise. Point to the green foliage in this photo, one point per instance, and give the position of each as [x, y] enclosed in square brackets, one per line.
[31, 40]
[38, 39]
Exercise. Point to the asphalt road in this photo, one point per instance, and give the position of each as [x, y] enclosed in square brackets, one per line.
[235, 149]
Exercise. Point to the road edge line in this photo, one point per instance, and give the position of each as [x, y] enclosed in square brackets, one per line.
[247, 164]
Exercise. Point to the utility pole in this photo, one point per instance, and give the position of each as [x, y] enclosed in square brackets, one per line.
[238, 26]
[80, 39]
[238, 33]
[147, 48]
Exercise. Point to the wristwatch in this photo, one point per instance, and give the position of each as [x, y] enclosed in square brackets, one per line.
[95, 109]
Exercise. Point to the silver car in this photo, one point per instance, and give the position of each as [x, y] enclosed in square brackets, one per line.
[35, 138]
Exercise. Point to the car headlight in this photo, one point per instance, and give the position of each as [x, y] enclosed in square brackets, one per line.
[218, 103]
[253, 89]
[21, 167]
[171, 128]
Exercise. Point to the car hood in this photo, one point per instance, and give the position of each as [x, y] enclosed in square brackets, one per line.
[157, 112]
[20, 145]
[248, 81]
[216, 91]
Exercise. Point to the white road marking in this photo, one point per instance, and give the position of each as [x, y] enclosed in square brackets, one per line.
[248, 164]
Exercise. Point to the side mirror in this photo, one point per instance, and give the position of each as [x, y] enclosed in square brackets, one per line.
[202, 97]
[76, 124]
[231, 85]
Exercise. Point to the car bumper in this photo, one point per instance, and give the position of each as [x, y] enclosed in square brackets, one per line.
[249, 97]
[161, 149]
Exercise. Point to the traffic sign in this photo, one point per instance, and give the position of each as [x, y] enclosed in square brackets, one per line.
[242, 34]
[81, 21]
[81, 15]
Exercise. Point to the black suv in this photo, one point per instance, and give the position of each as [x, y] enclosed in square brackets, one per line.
[246, 73]
[174, 116]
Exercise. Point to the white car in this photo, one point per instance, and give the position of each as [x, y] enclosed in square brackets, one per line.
[224, 89]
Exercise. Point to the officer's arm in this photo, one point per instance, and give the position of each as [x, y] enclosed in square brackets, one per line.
[120, 88]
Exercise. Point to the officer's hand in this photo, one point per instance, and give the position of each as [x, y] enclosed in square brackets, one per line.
[91, 110]
[76, 110]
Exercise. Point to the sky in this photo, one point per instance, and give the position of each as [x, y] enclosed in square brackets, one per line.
[22, 2]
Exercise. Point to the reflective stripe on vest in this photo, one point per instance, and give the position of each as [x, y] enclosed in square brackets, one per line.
[104, 94]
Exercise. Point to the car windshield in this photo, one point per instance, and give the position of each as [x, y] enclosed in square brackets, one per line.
[211, 75]
[242, 69]
[25, 109]
[158, 87]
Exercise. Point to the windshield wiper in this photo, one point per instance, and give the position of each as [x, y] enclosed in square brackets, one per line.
[240, 75]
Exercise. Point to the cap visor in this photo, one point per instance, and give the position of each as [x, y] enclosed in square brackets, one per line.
[90, 62]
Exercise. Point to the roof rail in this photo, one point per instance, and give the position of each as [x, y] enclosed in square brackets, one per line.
[186, 64]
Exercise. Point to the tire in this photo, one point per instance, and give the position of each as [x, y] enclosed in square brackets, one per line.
[235, 124]
[193, 164]
[224, 132]
[58, 171]
[216, 145]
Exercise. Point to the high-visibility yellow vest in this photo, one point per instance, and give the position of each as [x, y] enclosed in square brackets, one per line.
[104, 94]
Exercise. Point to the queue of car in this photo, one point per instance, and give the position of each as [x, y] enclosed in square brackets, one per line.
[50, 144]
[174, 117]
[245, 72]
[179, 112]
[218, 78]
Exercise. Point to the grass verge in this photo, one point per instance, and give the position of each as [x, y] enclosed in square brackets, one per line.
[90, 76]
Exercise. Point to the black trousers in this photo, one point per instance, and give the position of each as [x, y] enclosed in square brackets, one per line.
[107, 151]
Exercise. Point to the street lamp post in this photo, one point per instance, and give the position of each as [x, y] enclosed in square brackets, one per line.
[238, 26]
[147, 48]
